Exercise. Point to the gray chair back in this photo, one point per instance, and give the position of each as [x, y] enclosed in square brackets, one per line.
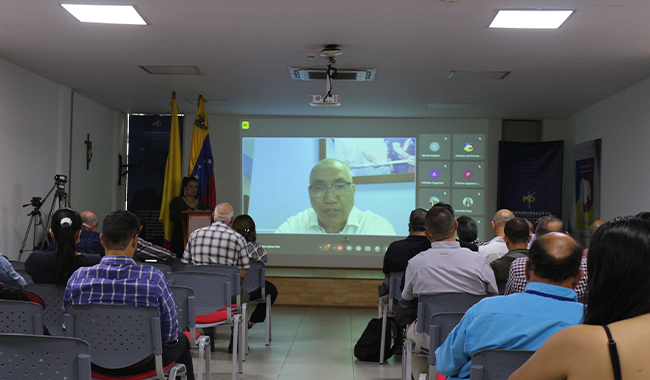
[51, 357]
[212, 291]
[52, 295]
[497, 364]
[232, 271]
[184, 300]
[119, 335]
[441, 325]
[429, 305]
[26, 276]
[255, 278]
[166, 269]
[394, 282]
[21, 317]
[17, 264]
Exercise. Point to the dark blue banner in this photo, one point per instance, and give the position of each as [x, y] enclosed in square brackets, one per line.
[148, 149]
[530, 178]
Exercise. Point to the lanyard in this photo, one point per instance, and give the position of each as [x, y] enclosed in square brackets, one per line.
[559, 298]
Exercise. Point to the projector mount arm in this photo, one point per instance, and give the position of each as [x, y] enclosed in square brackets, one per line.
[331, 73]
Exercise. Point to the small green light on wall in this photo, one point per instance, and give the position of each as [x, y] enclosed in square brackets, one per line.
[244, 125]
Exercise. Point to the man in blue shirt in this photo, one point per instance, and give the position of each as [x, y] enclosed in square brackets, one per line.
[521, 321]
[117, 279]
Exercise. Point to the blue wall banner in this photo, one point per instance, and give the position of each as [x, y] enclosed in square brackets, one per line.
[530, 178]
[149, 145]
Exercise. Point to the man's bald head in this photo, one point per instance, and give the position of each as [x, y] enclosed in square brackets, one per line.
[500, 219]
[595, 225]
[547, 224]
[224, 211]
[555, 257]
[329, 163]
[89, 219]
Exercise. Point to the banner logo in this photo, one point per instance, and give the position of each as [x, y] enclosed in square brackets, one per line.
[530, 198]
[468, 147]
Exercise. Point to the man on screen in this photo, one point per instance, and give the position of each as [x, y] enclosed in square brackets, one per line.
[331, 193]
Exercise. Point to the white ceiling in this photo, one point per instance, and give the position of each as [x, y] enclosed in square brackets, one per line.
[243, 48]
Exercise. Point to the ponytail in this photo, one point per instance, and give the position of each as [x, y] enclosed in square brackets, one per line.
[66, 222]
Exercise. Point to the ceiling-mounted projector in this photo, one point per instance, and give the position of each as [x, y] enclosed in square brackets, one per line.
[324, 100]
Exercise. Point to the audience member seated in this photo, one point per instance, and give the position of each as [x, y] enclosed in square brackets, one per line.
[89, 239]
[444, 268]
[520, 321]
[496, 247]
[245, 226]
[56, 267]
[531, 231]
[8, 274]
[617, 318]
[467, 233]
[117, 279]
[401, 251]
[517, 276]
[592, 230]
[516, 238]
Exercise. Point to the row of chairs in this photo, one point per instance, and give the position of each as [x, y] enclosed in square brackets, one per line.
[207, 307]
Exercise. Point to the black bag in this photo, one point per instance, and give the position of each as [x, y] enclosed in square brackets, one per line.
[368, 347]
[406, 312]
[12, 293]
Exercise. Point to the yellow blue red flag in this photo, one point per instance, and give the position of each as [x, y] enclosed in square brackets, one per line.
[201, 162]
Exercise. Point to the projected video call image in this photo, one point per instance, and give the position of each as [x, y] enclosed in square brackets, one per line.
[328, 185]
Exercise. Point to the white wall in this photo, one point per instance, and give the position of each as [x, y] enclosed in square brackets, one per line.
[623, 123]
[35, 145]
[96, 188]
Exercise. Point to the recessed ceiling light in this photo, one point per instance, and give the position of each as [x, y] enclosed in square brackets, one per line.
[450, 106]
[530, 19]
[105, 14]
[478, 74]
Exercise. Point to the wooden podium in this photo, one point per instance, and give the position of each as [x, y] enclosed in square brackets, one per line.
[193, 220]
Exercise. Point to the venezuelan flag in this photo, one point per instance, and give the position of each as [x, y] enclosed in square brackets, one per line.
[201, 162]
[173, 173]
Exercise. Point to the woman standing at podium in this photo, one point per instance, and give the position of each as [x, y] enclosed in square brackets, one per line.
[187, 201]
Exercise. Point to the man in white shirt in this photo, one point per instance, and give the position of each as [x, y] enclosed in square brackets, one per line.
[331, 193]
[496, 248]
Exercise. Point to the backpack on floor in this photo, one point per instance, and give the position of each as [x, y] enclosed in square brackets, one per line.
[368, 347]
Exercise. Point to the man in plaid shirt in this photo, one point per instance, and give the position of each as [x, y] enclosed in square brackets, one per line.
[218, 244]
[117, 279]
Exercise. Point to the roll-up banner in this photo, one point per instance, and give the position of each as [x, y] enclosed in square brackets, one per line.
[530, 178]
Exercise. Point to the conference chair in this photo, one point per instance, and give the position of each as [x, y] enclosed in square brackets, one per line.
[17, 264]
[121, 336]
[212, 296]
[164, 268]
[28, 356]
[429, 305]
[497, 364]
[256, 278]
[26, 276]
[185, 307]
[394, 293]
[235, 281]
[52, 295]
[21, 317]
[439, 328]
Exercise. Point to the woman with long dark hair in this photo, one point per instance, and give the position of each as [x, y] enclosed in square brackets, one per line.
[56, 267]
[245, 225]
[614, 340]
[188, 200]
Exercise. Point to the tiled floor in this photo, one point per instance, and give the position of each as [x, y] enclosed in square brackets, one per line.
[308, 343]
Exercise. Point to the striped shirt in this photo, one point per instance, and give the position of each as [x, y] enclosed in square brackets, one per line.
[119, 280]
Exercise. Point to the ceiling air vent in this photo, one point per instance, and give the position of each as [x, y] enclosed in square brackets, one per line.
[357, 74]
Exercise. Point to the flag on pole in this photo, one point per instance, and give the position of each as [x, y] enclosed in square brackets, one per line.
[201, 162]
[173, 174]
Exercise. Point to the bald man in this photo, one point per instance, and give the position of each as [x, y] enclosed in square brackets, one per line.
[218, 243]
[89, 239]
[331, 194]
[521, 321]
[497, 248]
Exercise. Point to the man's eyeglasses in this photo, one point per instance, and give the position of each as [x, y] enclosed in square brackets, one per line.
[339, 188]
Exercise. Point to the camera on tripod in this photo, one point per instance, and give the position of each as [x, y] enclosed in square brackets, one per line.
[60, 181]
